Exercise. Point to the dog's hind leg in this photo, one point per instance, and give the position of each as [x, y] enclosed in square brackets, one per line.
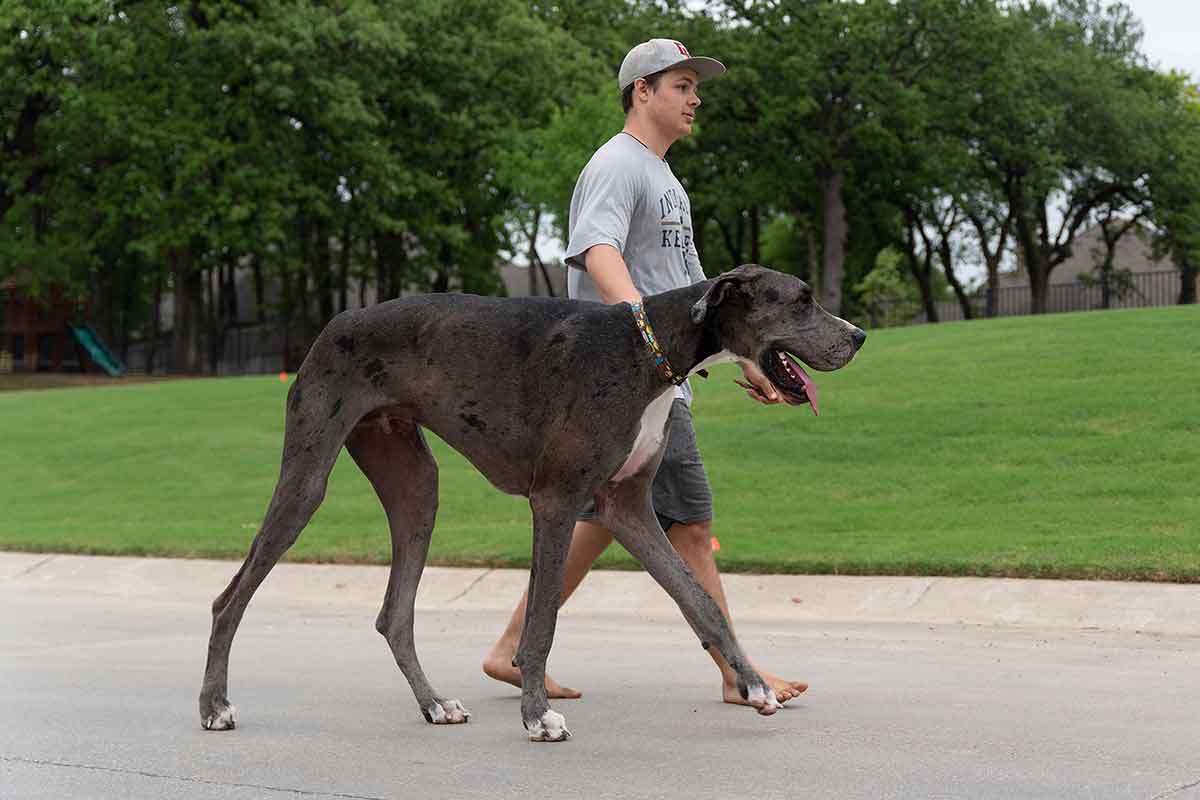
[396, 459]
[627, 510]
[315, 429]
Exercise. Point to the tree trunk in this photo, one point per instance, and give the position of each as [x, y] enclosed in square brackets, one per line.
[213, 317]
[532, 256]
[344, 266]
[155, 322]
[1106, 278]
[814, 260]
[286, 312]
[129, 299]
[187, 352]
[260, 294]
[993, 288]
[363, 279]
[441, 279]
[390, 257]
[833, 265]
[381, 271]
[323, 280]
[1187, 289]
[546, 278]
[755, 245]
[23, 144]
[1035, 259]
[947, 259]
[921, 266]
[733, 245]
[1039, 284]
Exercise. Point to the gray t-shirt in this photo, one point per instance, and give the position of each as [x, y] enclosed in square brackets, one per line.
[628, 197]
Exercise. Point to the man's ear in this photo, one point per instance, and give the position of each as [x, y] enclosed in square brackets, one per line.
[720, 289]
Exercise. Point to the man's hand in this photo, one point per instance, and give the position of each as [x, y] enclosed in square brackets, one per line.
[759, 387]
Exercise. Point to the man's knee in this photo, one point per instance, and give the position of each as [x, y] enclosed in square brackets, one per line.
[691, 536]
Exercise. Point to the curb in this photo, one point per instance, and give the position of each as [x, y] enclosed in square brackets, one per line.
[1153, 608]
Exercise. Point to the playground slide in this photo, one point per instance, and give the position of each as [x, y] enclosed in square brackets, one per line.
[96, 351]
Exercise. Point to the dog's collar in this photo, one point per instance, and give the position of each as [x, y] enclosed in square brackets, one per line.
[660, 358]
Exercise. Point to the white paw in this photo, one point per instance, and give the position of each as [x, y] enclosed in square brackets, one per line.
[447, 712]
[552, 727]
[224, 719]
[763, 700]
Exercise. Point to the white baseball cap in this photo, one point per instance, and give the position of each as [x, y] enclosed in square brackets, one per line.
[657, 55]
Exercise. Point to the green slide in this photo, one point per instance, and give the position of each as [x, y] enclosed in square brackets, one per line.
[96, 351]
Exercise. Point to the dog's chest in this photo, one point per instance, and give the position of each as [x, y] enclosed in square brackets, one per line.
[651, 432]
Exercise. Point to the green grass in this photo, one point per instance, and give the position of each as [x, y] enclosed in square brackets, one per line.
[1060, 446]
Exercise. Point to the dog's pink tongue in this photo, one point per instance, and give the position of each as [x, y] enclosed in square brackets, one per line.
[810, 388]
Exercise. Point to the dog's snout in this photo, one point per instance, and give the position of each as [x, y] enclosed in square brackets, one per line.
[859, 336]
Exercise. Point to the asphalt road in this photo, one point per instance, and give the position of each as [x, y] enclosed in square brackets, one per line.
[98, 688]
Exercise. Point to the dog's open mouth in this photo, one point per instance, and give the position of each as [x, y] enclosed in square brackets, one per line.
[789, 377]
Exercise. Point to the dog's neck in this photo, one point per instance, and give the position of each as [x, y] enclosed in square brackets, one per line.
[684, 343]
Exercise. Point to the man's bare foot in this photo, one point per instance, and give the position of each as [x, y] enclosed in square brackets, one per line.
[498, 665]
[784, 690]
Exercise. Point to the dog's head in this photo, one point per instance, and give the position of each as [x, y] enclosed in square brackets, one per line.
[773, 320]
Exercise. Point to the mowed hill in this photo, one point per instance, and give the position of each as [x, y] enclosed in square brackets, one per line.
[1056, 446]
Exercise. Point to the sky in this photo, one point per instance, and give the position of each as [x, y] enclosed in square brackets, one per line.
[1172, 33]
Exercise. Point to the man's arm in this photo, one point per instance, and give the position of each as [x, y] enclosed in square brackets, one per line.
[610, 274]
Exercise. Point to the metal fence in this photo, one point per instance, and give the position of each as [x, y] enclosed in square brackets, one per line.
[1148, 289]
[246, 350]
[260, 349]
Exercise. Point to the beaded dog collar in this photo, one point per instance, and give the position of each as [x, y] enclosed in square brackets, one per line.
[660, 358]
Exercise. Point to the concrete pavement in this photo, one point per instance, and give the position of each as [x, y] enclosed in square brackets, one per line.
[921, 688]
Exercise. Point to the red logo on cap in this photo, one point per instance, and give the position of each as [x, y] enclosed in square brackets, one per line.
[683, 49]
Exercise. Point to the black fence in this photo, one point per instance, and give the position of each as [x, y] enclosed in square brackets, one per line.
[267, 348]
[245, 350]
[1146, 289]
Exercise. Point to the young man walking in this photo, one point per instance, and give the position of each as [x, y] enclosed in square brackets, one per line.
[630, 230]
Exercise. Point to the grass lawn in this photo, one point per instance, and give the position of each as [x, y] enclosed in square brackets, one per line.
[1059, 446]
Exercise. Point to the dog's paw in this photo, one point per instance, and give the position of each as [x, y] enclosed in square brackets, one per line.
[221, 717]
[762, 697]
[446, 712]
[759, 695]
[552, 727]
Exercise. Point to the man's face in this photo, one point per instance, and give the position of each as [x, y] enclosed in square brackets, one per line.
[672, 108]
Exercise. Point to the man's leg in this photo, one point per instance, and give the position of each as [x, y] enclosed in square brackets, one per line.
[588, 541]
[693, 542]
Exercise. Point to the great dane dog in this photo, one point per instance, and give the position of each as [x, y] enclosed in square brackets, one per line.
[556, 400]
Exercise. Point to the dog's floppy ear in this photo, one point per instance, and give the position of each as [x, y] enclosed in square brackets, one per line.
[717, 293]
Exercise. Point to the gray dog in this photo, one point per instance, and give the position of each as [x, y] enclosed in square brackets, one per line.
[559, 401]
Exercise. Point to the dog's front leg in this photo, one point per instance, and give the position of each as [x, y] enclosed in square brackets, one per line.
[628, 513]
[553, 521]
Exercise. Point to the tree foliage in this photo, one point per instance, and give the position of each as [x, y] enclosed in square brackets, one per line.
[333, 148]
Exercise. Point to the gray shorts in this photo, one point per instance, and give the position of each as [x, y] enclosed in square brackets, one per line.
[681, 491]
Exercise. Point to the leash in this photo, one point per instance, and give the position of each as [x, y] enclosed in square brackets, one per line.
[660, 358]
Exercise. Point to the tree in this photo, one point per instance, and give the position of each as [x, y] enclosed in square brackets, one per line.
[1055, 126]
[1175, 206]
[853, 72]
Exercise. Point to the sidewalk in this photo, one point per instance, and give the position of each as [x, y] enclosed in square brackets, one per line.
[1096, 605]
